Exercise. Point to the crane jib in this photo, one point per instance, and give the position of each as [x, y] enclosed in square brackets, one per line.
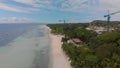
[111, 14]
[106, 15]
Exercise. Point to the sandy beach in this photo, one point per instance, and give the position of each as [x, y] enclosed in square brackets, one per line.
[58, 58]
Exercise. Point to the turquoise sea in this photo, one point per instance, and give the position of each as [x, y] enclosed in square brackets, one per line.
[24, 46]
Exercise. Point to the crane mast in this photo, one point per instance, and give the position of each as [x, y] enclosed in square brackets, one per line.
[108, 19]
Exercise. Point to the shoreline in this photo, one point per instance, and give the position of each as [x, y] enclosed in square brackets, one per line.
[58, 59]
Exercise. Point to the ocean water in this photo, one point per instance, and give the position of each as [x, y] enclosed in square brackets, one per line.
[24, 46]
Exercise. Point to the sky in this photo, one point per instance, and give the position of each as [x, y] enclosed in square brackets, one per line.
[51, 11]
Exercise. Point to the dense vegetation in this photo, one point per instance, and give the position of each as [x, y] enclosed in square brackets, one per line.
[97, 51]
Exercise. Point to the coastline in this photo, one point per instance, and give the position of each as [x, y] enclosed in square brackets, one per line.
[58, 59]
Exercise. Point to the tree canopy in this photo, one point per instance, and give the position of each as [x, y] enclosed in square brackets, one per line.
[97, 51]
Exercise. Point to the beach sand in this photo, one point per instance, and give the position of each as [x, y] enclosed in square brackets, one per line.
[58, 57]
[59, 60]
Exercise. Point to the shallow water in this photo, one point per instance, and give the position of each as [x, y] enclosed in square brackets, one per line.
[29, 50]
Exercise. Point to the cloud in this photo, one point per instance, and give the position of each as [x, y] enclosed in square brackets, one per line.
[14, 8]
[28, 2]
[34, 3]
[34, 6]
[17, 20]
[90, 7]
[61, 5]
[111, 5]
[9, 8]
[78, 5]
